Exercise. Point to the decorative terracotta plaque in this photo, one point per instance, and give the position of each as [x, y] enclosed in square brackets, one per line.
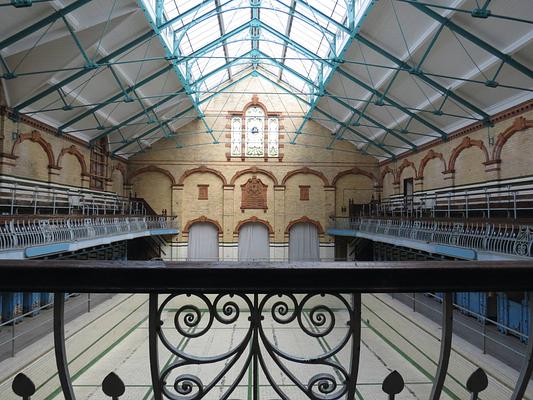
[254, 194]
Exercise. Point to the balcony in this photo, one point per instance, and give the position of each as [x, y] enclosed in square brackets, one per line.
[463, 240]
[263, 330]
[30, 238]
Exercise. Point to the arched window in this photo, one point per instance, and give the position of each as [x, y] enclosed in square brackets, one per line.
[255, 133]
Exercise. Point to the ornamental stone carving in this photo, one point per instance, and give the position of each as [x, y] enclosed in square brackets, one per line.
[254, 194]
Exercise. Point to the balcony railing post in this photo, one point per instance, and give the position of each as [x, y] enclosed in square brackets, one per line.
[527, 367]
[59, 346]
[445, 346]
[154, 325]
[514, 204]
[13, 336]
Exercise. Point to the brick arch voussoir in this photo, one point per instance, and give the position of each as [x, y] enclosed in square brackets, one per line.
[202, 219]
[387, 170]
[305, 171]
[354, 171]
[202, 170]
[430, 155]
[253, 219]
[152, 168]
[36, 137]
[519, 124]
[254, 170]
[122, 169]
[403, 166]
[304, 220]
[466, 144]
[74, 151]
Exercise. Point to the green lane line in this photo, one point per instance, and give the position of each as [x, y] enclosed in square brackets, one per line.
[92, 344]
[98, 357]
[181, 346]
[408, 358]
[34, 360]
[435, 337]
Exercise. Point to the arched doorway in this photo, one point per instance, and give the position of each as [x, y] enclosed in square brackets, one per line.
[203, 242]
[254, 242]
[304, 244]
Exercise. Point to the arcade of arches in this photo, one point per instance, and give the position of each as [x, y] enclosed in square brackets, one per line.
[255, 187]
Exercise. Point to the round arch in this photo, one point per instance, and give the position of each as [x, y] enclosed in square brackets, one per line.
[36, 137]
[305, 171]
[202, 170]
[466, 144]
[404, 165]
[354, 171]
[152, 168]
[202, 219]
[74, 151]
[430, 155]
[304, 220]
[253, 220]
[384, 172]
[254, 170]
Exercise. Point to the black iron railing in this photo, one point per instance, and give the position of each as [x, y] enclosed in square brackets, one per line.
[315, 299]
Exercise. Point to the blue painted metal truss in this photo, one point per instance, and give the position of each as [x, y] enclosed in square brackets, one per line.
[299, 46]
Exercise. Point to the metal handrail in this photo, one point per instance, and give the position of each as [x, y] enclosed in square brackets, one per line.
[511, 239]
[34, 196]
[486, 202]
[316, 299]
[18, 234]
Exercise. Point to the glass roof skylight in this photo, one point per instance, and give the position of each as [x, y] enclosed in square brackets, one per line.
[298, 42]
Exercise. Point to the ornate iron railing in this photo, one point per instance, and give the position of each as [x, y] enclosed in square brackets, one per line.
[20, 234]
[499, 238]
[326, 295]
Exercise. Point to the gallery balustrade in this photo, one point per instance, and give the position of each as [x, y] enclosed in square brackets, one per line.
[319, 301]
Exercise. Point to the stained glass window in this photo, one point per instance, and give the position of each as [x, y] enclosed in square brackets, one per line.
[255, 135]
[236, 136]
[273, 137]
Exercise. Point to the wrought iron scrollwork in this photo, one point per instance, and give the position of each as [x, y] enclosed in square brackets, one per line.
[330, 321]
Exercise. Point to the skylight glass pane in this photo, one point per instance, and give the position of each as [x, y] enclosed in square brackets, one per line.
[296, 35]
[275, 19]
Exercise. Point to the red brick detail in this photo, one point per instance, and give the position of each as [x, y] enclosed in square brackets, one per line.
[405, 164]
[203, 218]
[254, 195]
[306, 220]
[353, 171]
[36, 137]
[384, 172]
[202, 169]
[255, 220]
[152, 168]
[465, 144]
[203, 192]
[430, 155]
[73, 150]
[519, 124]
[305, 171]
[304, 192]
[254, 170]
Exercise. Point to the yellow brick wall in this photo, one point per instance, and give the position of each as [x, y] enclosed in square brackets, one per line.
[471, 165]
[284, 204]
[46, 157]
